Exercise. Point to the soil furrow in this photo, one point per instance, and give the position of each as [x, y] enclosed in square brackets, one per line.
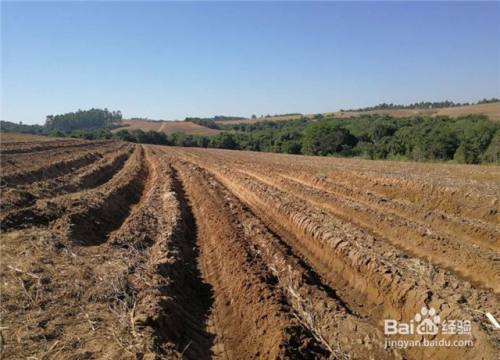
[245, 291]
[467, 230]
[413, 202]
[315, 304]
[93, 175]
[339, 183]
[416, 239]
[17, 148]
[91, 218]
[463, 202]
[88, 215]
[51, 171]
[367, 270]
[171, 299]
[434, 188]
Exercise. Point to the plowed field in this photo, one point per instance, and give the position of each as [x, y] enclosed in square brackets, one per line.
[118, 251]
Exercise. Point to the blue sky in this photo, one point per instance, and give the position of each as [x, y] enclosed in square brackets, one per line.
[169, 60]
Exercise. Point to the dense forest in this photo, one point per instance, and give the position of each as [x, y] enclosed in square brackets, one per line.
[422, 105]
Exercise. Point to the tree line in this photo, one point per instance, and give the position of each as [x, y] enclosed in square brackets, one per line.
[81, 120]
[207, 122]
[471, 139]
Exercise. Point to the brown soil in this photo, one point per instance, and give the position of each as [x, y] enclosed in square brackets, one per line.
[120, 251]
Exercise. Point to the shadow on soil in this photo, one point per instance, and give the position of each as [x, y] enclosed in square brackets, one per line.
[93, 224]
[192, 297]
[311, 277]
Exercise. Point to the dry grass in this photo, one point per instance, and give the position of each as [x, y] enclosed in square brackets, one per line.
[169, 127]
[18, 137]
[253, 121]
[491, 110]
[72, 300]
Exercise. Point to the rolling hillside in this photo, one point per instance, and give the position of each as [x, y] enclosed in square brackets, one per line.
[492, 110]
[168, 127]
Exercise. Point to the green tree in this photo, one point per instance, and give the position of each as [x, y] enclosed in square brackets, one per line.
[325, 139]
[225, 141]
[83, 120]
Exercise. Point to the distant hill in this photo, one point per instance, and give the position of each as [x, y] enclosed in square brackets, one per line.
[492, 110]
[217, 118]
[168, 127]
[423, 105]
[259, 119]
